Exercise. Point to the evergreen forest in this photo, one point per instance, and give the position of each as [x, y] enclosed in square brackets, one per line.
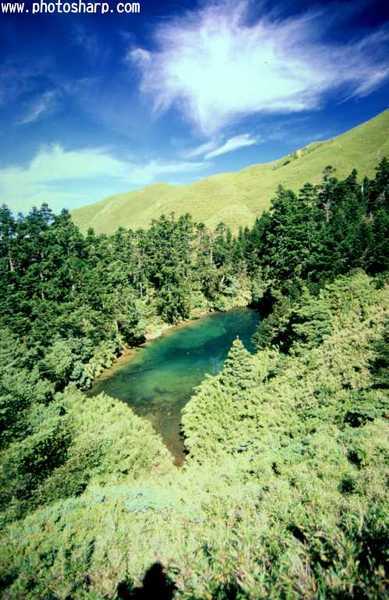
[283, 493]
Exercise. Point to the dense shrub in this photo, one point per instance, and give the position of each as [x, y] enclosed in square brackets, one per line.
[283, 493]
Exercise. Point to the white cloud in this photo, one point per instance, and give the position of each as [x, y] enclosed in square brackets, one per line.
[201, 150]
[144, 174]
[139, 56]
[216, 66]
[41, 106]
[69, 178]
[234, 143]
[215, 148]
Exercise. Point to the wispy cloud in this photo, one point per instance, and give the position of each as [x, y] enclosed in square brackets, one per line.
[39, 107]
[139, 56]
[202, 149]
[69, 178]
[217, 67]
[88, 40]
[234, 143]
[18, 79]
[215, 148]
[142, 174]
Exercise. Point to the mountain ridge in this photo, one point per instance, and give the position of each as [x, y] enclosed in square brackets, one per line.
[238, 197]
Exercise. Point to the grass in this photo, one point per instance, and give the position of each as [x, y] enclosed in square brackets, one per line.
[238, 198]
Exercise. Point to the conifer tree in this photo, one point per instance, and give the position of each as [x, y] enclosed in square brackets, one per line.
[238, 374]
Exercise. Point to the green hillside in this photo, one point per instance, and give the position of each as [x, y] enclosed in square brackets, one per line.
[238, 198]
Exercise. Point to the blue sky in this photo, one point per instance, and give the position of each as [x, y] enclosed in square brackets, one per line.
[93, 105]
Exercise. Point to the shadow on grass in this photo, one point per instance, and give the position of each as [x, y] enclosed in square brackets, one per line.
[156, 586]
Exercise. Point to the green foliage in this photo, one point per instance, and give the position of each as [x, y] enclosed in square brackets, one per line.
[310, 318]
[321, 232]
[283, 493]
[380, 365]
[325, 377]
[109, 444]
[68, 448]
[237, 376]
[27, 462]
[21, 385]
[78, 300]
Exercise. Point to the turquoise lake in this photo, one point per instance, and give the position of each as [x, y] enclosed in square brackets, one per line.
[159, 379]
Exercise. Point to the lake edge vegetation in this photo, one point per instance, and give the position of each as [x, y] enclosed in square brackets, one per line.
[283, 493]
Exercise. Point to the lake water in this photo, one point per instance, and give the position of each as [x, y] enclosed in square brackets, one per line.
[160, 378]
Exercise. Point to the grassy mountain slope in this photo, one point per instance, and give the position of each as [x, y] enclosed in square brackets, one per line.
[238, 198]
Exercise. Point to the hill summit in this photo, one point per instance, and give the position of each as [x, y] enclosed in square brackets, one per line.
[237, 198]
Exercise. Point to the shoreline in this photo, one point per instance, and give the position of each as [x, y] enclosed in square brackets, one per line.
[163, 422]
[129, 352]
[165, 329]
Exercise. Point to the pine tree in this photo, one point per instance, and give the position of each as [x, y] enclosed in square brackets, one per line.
[238, 374]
